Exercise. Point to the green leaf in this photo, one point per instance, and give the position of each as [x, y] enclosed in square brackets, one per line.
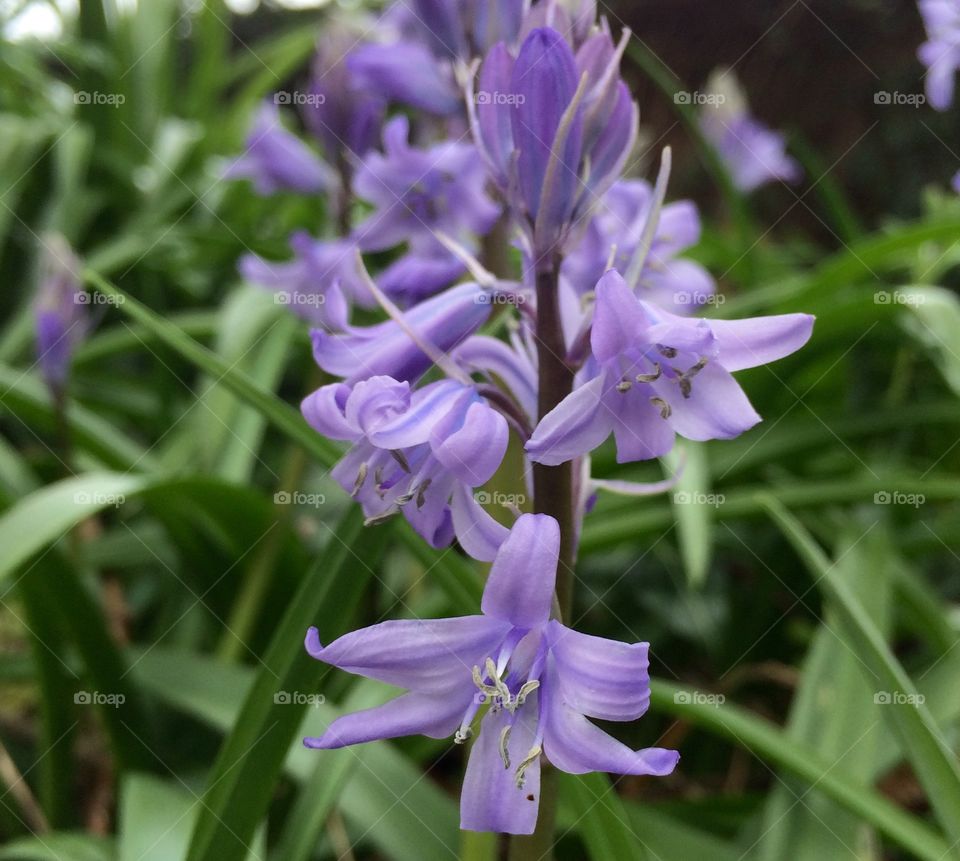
[933, 320]
[921, 739]
[601, 818]
[241, 782]
[59, 846]
[693, 507]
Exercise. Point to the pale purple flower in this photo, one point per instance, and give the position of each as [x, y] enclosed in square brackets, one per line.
[553, 145]
[416, 452]
[415, 193]
[542, 681]
[320, 284]
[276, 159]
[387, 349]
[753, 153]
[618, 224]
[661, 375]
[941, 52]
[60, 311]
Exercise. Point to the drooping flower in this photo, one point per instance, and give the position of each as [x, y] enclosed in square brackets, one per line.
[60, 311]
[417, 192]
[661, 375]
[416, 452]
[540, 682]
[320, 284]
[275, 159]
[753, 153]
[555, 129]
[941, 52]
[618, 226]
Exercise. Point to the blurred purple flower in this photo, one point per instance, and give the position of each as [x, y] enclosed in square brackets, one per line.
[419, 453]
[619, 224]
[320, 284]
[753, 153]
[542, 681]
[276, 159]
[661, 375]
[941, 52]
[60, 311]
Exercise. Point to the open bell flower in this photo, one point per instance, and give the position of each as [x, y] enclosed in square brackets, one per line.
[538, 681]
[661, 375]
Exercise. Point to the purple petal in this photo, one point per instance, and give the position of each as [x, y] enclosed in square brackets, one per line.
[520, 587]
[414, 277]
[757, 340]
[493, 109]
[490, 799]
[435, 715]
[414, 423]
[324, 411]
[422, 655]
[375, 402]
[493, 356]
[601, 678]
[639, 429]
[618, 318]
[544, 80]
[478, 533]
[614, 143]
[576, 746]
[717, 408]
[575, 426]
[406, 72]
[474, 450]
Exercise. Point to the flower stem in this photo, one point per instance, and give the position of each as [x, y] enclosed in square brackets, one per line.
[553, 495]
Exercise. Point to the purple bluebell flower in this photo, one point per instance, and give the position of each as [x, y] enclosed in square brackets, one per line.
[321, 284]
[420, 453]
[387, 348]
[415, 193]
[941, 52]
[661, 375]
[407, 72]
[753, 153]
[343, 116]
[60, 311]
[540, 681]
[618, 225]
[555, 129]
[276, 159]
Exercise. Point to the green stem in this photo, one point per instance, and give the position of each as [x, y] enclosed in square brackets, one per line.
[553, 495]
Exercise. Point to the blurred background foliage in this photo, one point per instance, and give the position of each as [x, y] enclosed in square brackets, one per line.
[155, 586]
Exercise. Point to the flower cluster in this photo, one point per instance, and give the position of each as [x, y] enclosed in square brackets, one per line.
[513, 146]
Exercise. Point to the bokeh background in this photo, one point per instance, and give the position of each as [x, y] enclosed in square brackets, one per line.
[167, 534]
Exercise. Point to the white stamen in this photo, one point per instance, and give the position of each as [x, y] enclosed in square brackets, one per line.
[528, 760]
[504, 741]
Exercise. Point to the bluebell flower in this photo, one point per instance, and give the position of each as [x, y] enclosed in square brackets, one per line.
[537, 681]
[275, 159]
[659, 375]
[941, 52]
